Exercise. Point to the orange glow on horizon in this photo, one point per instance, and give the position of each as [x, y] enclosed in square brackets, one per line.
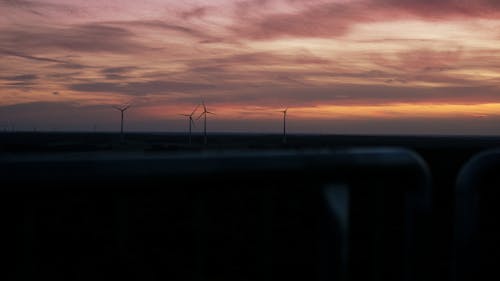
[334, 112]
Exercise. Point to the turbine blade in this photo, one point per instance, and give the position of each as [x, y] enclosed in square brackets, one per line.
[196, 108]
[204, 107]
[187, 115]
[210, 112]
[200, 115]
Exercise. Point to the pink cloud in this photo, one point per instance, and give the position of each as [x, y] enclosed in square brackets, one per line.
[335, 19]
[196, 12]
[442, 9]
[419, 60]
[328, 20]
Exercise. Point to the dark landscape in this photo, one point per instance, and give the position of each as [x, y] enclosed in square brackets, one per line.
[24, 142]
[445, 156]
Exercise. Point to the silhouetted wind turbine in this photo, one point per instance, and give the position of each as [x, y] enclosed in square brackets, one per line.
[191, 122]
[122, 110]
[284, 124]
[204, 113]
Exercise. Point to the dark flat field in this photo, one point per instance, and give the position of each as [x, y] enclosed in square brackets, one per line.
[23, 142]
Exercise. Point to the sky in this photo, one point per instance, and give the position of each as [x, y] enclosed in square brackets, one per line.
[340, 66]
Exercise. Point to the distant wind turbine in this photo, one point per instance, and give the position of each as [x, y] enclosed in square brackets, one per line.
[191, 122]
[284, 124]
[204, 114]
[122, 110]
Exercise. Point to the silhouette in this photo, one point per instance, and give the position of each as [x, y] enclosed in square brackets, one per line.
[284, 124]
[204, 113]
[122, 110]
[191, 122]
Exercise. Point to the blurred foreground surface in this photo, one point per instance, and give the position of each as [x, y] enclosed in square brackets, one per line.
[245, 207]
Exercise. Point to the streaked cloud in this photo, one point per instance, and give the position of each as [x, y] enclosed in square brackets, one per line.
[139, 88]
[80, 38]
[22, 77]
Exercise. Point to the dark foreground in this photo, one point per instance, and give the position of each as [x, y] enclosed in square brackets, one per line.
[247, 207]
[23, 142]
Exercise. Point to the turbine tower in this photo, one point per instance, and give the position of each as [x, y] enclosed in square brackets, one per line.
[284, 124]
[122, 110]
[191, 121]
[204, 114]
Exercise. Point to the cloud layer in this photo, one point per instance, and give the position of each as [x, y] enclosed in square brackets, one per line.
[361, 55]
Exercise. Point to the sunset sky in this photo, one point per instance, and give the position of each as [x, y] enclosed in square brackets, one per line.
[341, 66]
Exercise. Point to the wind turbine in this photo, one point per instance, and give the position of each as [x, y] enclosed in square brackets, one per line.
[284, 124]
[204, 113]
[191, 122]
[122, 110]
